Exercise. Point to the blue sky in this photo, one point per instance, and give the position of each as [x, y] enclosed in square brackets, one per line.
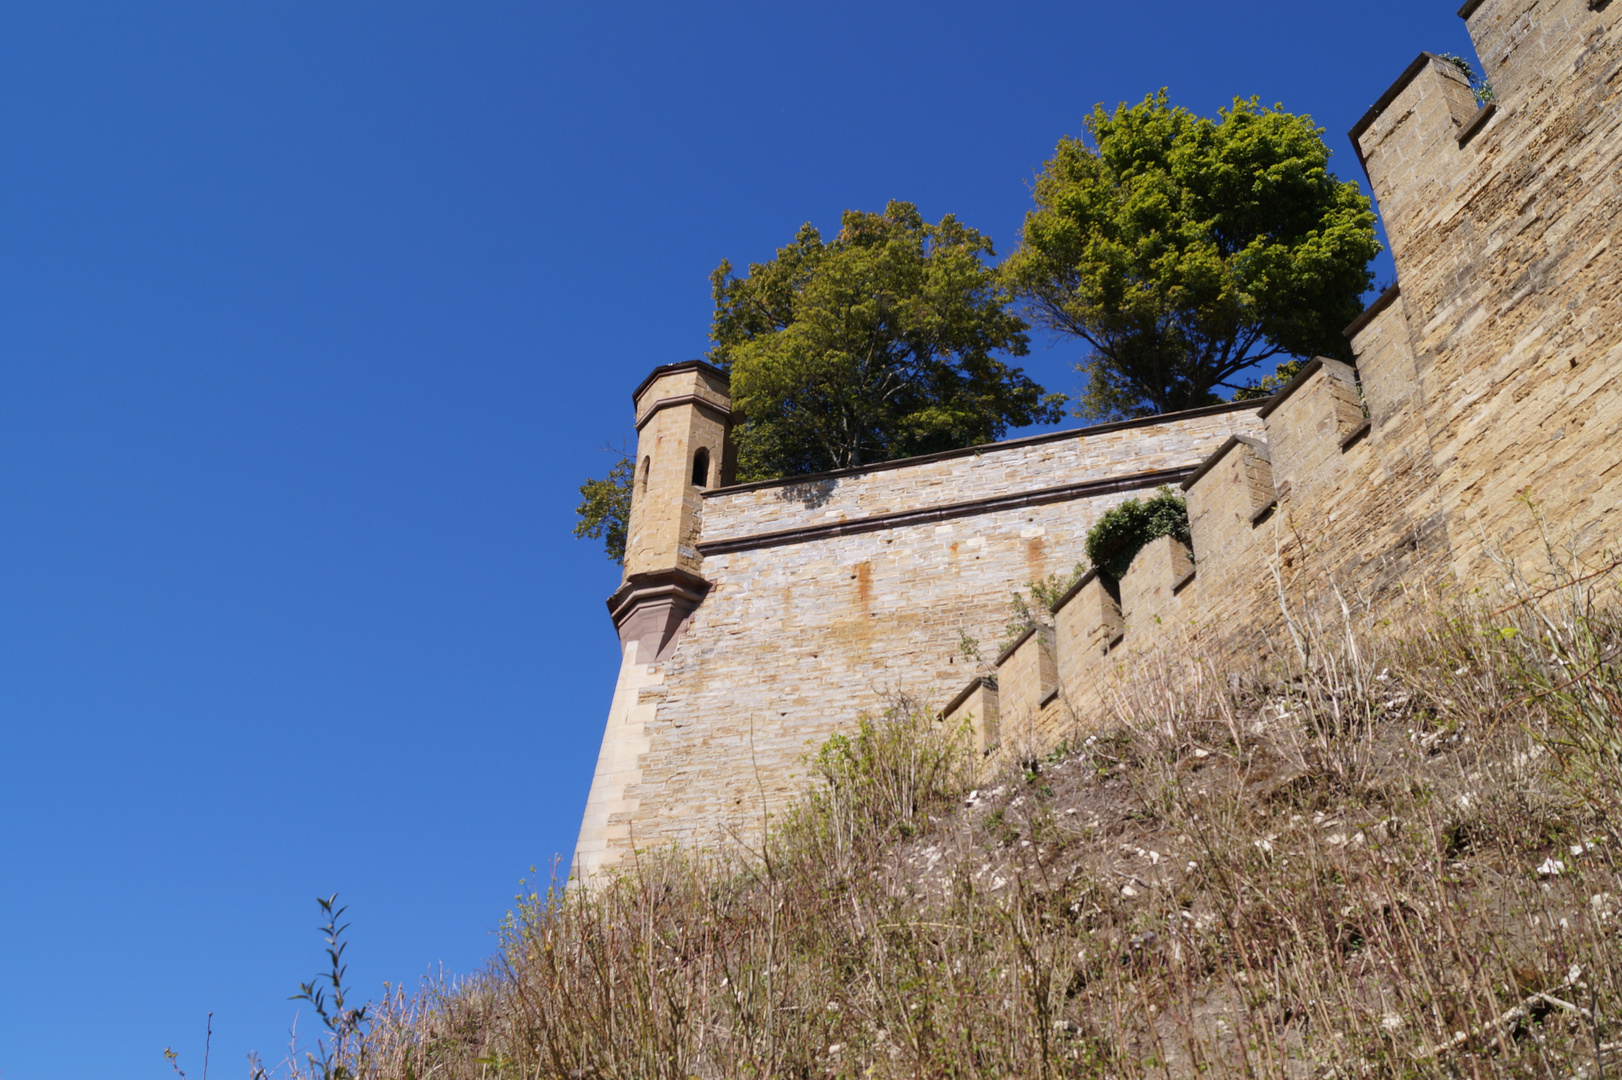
[313, 318]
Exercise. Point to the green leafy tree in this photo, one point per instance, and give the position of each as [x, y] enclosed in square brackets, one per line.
[875, 346]
[1272, 384]
[605, 507]
[1185, 251]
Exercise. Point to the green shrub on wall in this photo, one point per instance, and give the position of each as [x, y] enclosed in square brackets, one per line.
[1120, 534]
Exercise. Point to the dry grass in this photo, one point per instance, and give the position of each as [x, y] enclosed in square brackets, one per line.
[1393, 856]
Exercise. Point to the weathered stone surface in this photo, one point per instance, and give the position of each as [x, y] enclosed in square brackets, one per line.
[1488, 380]
[1154, 590]
[607, 829]
[1507, 250]
[683, 414]
[976, 707]
[1027, 680]
[795, 640]
[1025, 466]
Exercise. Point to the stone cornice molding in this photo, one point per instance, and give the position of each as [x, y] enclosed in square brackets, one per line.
[987, 681]
[671, 369]
[652, 609]
[1370, 313]
[721, 412]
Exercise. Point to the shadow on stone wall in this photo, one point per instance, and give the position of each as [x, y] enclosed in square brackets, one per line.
[812, 495]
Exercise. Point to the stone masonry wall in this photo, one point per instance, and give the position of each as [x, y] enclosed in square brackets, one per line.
[800, 635]
[1012, 468]
[1489, 377]
[1504, 227]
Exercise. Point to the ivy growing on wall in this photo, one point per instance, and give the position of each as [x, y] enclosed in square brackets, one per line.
[1121, 533]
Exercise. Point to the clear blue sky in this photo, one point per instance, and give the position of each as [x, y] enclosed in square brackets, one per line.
[312, 317]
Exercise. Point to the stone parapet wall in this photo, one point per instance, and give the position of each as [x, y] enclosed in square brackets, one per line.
[959, 479]
[799, 636]
[1488, 379]
[1269, 539]
[1506, 243]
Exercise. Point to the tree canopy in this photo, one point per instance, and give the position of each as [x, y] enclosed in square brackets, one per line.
[875, 346]
[1185, 250]
[605, 507]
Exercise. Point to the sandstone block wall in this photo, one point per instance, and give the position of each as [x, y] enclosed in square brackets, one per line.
[1266, 540]
[1504, 229]
[1489, 376]
[809, 622]
[1029, 671]
[1044, 468]
[975, 708]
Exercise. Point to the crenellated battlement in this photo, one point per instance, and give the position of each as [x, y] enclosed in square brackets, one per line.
[759, 619]
[1294, 507]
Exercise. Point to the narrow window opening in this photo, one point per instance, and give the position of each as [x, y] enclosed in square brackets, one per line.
[647, 467]
[701, 468]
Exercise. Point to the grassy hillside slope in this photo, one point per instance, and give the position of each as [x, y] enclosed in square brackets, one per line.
[1392, 853]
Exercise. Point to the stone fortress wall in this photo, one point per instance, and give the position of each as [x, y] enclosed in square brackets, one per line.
[758, 619]
[821, 596]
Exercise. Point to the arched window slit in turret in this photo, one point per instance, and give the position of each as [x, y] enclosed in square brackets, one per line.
[701, 468]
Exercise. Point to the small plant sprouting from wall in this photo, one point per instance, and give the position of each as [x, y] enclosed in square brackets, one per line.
[1479, 86]
[1024, 614]
[1112, 544]
[968, 647]
[1121, 533]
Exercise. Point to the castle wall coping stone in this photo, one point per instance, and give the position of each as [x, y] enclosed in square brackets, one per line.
[1473, 127]
[1004, 656]
[1075, 590]
[1040, 497]
[987, 681]
[1372, 312]
[1384, 102]
[671, 369]
[1220, 452]
[1313, 367]
[1356, 434]
[987, 448]
[1469, 8]
[1291, 387]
